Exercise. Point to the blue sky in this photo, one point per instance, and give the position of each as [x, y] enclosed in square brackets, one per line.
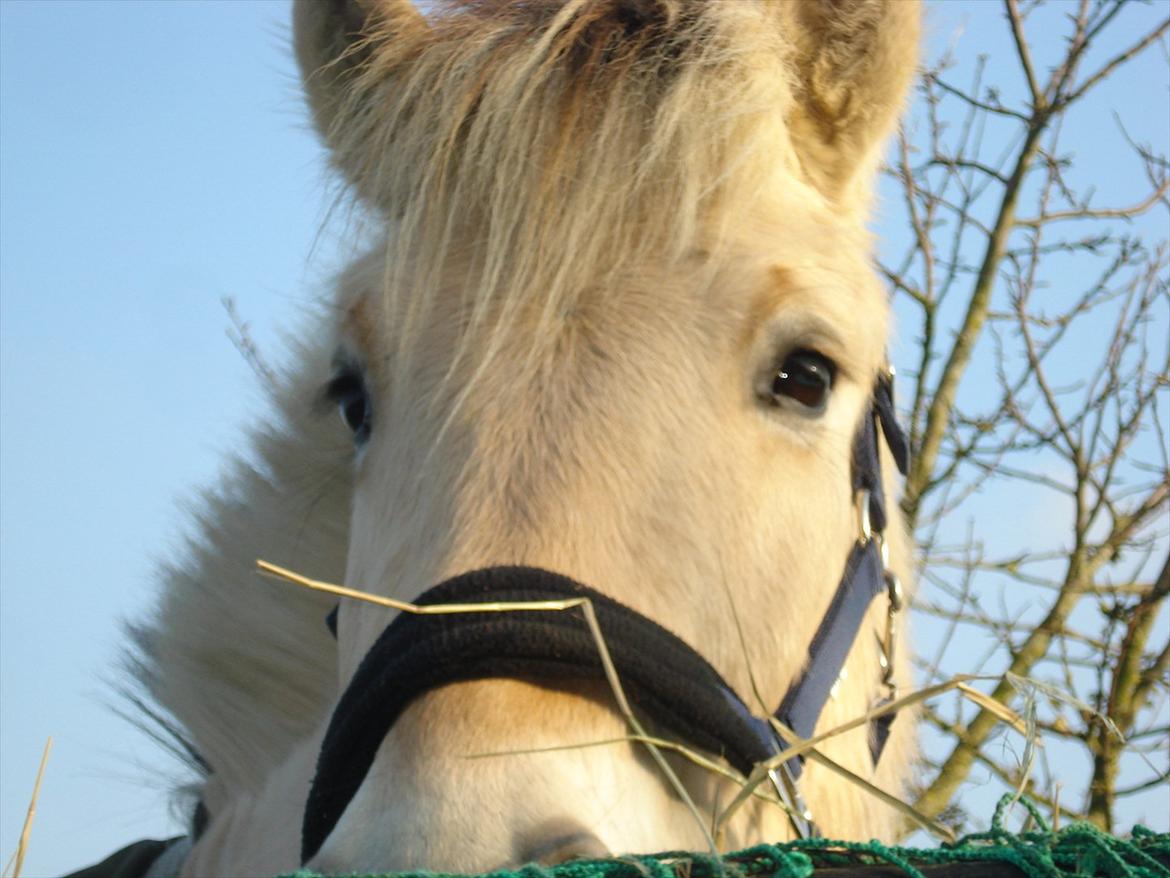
[154, 160]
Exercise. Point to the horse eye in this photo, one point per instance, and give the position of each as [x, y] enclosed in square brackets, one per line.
[347, 390]
[806, 377]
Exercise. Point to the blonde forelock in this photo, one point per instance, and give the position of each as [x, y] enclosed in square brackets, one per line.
[528, 154]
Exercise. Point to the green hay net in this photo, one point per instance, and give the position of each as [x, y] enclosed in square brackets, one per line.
[1077, 851]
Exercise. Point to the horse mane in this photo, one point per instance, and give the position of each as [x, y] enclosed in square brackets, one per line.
[240, 668]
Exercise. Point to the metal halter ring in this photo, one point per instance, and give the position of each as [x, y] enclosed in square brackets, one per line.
[788, 790]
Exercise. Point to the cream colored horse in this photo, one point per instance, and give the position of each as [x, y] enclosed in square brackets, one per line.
[621, 325]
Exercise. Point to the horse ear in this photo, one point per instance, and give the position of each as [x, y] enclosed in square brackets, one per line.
[852, 63]
[333, 39]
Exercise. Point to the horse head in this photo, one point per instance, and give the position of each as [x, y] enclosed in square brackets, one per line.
[619, 325]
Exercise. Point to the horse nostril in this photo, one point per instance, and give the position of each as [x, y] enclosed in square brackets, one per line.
[561, 845]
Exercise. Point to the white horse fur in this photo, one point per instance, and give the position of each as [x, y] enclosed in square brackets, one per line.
[607, 222]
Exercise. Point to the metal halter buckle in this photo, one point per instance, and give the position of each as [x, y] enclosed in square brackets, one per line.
[864, 525]
[788, 790]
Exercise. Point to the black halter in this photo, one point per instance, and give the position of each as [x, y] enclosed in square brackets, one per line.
[662, 676]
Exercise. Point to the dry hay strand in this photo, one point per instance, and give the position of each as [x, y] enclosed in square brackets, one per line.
[26, 830]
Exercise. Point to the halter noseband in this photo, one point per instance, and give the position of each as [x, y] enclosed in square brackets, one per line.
[664, 677]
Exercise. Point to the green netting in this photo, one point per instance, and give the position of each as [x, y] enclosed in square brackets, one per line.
[1077, 851]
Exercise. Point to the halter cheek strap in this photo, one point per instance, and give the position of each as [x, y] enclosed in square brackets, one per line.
[866, 576]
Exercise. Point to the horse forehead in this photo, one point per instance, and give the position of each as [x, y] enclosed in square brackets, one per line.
[798, 256]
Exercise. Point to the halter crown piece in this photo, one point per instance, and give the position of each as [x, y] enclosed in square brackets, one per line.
[663, 677]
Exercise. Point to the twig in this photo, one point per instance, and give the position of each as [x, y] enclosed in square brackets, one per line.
[1025, 56]
[1099, 213]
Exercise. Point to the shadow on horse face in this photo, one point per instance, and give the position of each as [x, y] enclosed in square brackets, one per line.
[621, 327]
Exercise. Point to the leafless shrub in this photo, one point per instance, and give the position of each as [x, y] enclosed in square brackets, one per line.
[1036, 375]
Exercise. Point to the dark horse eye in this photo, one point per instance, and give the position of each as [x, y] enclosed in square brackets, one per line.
[806, 377]
[347, 390]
